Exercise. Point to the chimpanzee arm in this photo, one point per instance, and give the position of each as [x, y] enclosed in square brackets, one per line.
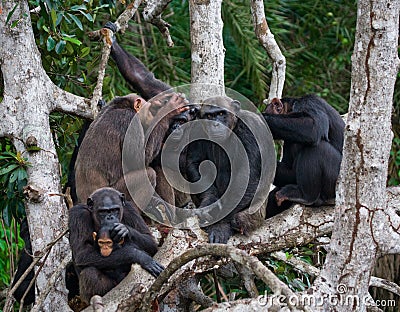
[299, 127]
[139, 233]
[84, 251]
[133, 70]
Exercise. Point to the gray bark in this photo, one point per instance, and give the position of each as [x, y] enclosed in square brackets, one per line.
[360, 219]
[208, 52]
[29, 97]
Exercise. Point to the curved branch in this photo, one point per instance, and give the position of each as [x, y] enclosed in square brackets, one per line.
[268, 42]
[221, 250]
[152, 14]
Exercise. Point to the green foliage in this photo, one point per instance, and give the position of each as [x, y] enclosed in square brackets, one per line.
[10, 244]
[13, 178]
[60, 29]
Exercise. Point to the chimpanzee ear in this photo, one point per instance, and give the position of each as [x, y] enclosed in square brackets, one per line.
[90, 203]
[235, 105]
[122, 197]
[137, 105]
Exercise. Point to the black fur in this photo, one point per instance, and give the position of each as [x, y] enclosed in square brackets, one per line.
[312, 132]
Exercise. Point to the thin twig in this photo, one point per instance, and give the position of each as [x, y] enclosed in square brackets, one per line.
[37, 258]
[50, 284]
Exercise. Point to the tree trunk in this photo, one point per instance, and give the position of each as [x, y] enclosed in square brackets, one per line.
[361, 192]
[29, 97]
[208, 52]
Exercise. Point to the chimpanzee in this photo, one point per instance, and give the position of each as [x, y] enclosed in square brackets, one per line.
[104, 240]
[99, 160]
[231, 141]
[144, 82]
[312, 132]
[24, 262]
[175, 135]
[97, 273]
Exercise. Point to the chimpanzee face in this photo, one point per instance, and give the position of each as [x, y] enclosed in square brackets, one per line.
[104, 241]
[221, 112]
[106, 206]
[175, 129]
[278, 107]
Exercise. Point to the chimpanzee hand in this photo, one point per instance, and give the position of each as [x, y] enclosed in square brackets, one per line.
[111, 26]
[172, 103]
[118, 232]
[153, 267]
[219, 233]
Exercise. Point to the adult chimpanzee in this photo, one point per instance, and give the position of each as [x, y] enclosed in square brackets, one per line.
[144, 82]
[175, 135]
[230, 138]
[99, 160]
[97, 273]
[312, 132]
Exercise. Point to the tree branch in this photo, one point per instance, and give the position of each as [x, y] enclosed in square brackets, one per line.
[268, 42]
[152, 14]
[44, 253]
[70, 103]
[296, 226]
[221, 250]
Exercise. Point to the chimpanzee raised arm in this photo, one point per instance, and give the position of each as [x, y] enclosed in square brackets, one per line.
[133, 70]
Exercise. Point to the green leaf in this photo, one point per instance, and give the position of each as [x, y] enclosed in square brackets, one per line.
[14, 24]
[51, 43]
[60, 46]
[22, 175]
[73, 40]
[76, 20]
[7, 216]
[10, 14]
[13, 176]
[88, 16]
[60, 16]
[8, 169]
[85, 51]
[78, 7]
[53, 15]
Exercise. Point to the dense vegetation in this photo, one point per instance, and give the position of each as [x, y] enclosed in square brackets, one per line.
[316, 37]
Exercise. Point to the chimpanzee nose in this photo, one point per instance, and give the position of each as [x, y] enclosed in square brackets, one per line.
[216, 124]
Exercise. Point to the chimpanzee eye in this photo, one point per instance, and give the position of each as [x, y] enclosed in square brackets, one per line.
[209, 116]
[221, 113]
